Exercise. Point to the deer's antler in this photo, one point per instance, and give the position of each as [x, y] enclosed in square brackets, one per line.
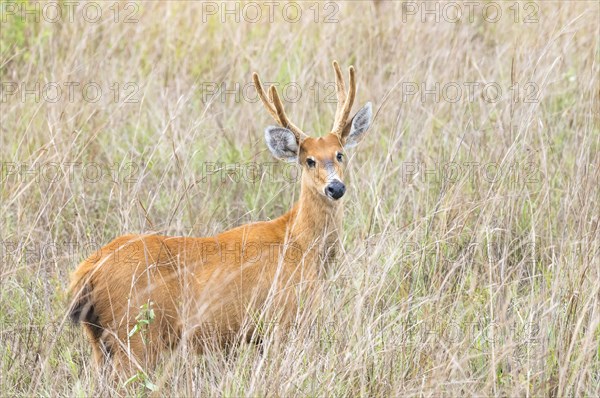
[275, 107]
[344, 101]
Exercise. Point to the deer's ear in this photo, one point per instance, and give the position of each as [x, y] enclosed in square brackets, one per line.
[282, 143]
[356, 128]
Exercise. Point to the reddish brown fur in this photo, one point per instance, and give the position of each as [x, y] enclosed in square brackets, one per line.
[204, 288]
[203, 282]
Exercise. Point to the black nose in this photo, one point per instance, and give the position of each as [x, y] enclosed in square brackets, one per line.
[335, 190]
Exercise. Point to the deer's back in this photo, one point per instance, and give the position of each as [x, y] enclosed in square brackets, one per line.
[202, 285]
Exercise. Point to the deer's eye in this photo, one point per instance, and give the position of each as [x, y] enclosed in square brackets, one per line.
[340, 157]
[311, 163]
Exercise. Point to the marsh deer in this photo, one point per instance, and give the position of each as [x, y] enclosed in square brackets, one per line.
[207, 288]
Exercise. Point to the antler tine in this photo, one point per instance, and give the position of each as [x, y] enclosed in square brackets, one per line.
[340, 90]
[284, 121]
[275, 107]
[263, 96]
[340, 121]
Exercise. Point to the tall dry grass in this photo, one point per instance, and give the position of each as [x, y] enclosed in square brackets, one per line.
[471, 262]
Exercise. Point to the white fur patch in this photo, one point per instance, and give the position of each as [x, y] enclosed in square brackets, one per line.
[360, 123]
[282, 143]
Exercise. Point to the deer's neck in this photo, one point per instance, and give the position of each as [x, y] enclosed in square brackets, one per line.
[315, 227]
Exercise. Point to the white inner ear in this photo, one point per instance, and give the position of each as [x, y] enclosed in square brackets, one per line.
[282, 143]
[360, 123]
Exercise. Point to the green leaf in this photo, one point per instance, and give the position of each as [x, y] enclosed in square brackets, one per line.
[134, 330]
[150, 386]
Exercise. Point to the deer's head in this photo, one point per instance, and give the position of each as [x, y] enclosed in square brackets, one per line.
[322, 158]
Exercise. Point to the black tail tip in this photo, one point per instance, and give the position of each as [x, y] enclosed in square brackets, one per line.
[81, 309]
[81, 312]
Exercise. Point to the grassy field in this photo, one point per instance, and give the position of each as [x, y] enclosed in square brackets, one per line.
[472, 240]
